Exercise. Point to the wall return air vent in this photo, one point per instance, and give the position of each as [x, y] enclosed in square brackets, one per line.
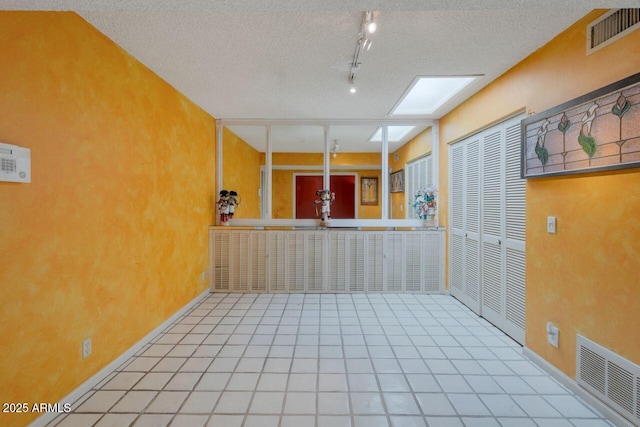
[610, 27]
[609, 377]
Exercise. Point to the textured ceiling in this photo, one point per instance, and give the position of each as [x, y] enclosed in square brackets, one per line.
[290, 59]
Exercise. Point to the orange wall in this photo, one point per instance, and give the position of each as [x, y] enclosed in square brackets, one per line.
[416, 147]
[110, 237]
[241, 166]
[585, 278]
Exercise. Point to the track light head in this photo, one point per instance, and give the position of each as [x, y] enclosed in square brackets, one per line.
[370, 24]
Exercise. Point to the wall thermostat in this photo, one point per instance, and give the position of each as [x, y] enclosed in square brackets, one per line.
[15, 163]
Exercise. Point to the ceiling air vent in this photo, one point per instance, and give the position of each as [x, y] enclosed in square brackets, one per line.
[610, 27]
[609, 377]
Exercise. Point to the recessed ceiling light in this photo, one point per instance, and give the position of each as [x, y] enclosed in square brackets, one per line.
[427, 94]
[394, 133]
[352, 90]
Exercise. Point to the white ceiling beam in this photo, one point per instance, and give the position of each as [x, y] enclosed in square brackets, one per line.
[329, 122]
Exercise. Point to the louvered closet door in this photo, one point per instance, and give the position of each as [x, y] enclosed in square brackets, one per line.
[464, 259]
[498, 279]
[418, 176]
[456, 219]
[472, 226]
[493, 226]
[514, 243]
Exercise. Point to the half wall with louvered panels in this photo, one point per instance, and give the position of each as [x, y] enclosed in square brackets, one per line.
[609, 377]
[326, 261]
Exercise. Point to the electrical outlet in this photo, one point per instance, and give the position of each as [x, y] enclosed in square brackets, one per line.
[551, 224]
[86, 348]
[204, 275]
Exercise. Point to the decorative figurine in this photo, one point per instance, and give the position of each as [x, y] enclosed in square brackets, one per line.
[425, 205]
[234, 202]
[324, 198]
[224, 207]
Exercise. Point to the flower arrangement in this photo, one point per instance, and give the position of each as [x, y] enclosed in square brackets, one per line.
[425, 203]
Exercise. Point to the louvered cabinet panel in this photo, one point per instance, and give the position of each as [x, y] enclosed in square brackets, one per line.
[259, 250]
[277, 262]
[295, 261]
[413, 262]
[375, 262]
[220, 251]
[431, 262]
[337, 266]
[239, 262]
[326, 261]
[314, 260]
[515, 293]
[356, 262]
[393, 262]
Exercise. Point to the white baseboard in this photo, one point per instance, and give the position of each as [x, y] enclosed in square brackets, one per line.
[572, 385]
[76, 394]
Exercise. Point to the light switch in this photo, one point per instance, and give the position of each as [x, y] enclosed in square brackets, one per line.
[551, 224]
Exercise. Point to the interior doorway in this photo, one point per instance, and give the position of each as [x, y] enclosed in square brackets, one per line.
[343, 185]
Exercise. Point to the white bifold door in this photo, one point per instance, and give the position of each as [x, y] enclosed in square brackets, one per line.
[487, 226]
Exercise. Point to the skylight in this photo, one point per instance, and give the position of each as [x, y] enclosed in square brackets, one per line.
[394, 133]
[427, 94]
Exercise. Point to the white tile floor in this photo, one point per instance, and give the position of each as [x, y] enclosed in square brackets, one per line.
[330, 361]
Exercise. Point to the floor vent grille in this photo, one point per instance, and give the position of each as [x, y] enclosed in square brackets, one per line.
[610, 27]
[610, 377]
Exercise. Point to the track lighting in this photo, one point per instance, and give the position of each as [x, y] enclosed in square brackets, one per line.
[367, 27]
